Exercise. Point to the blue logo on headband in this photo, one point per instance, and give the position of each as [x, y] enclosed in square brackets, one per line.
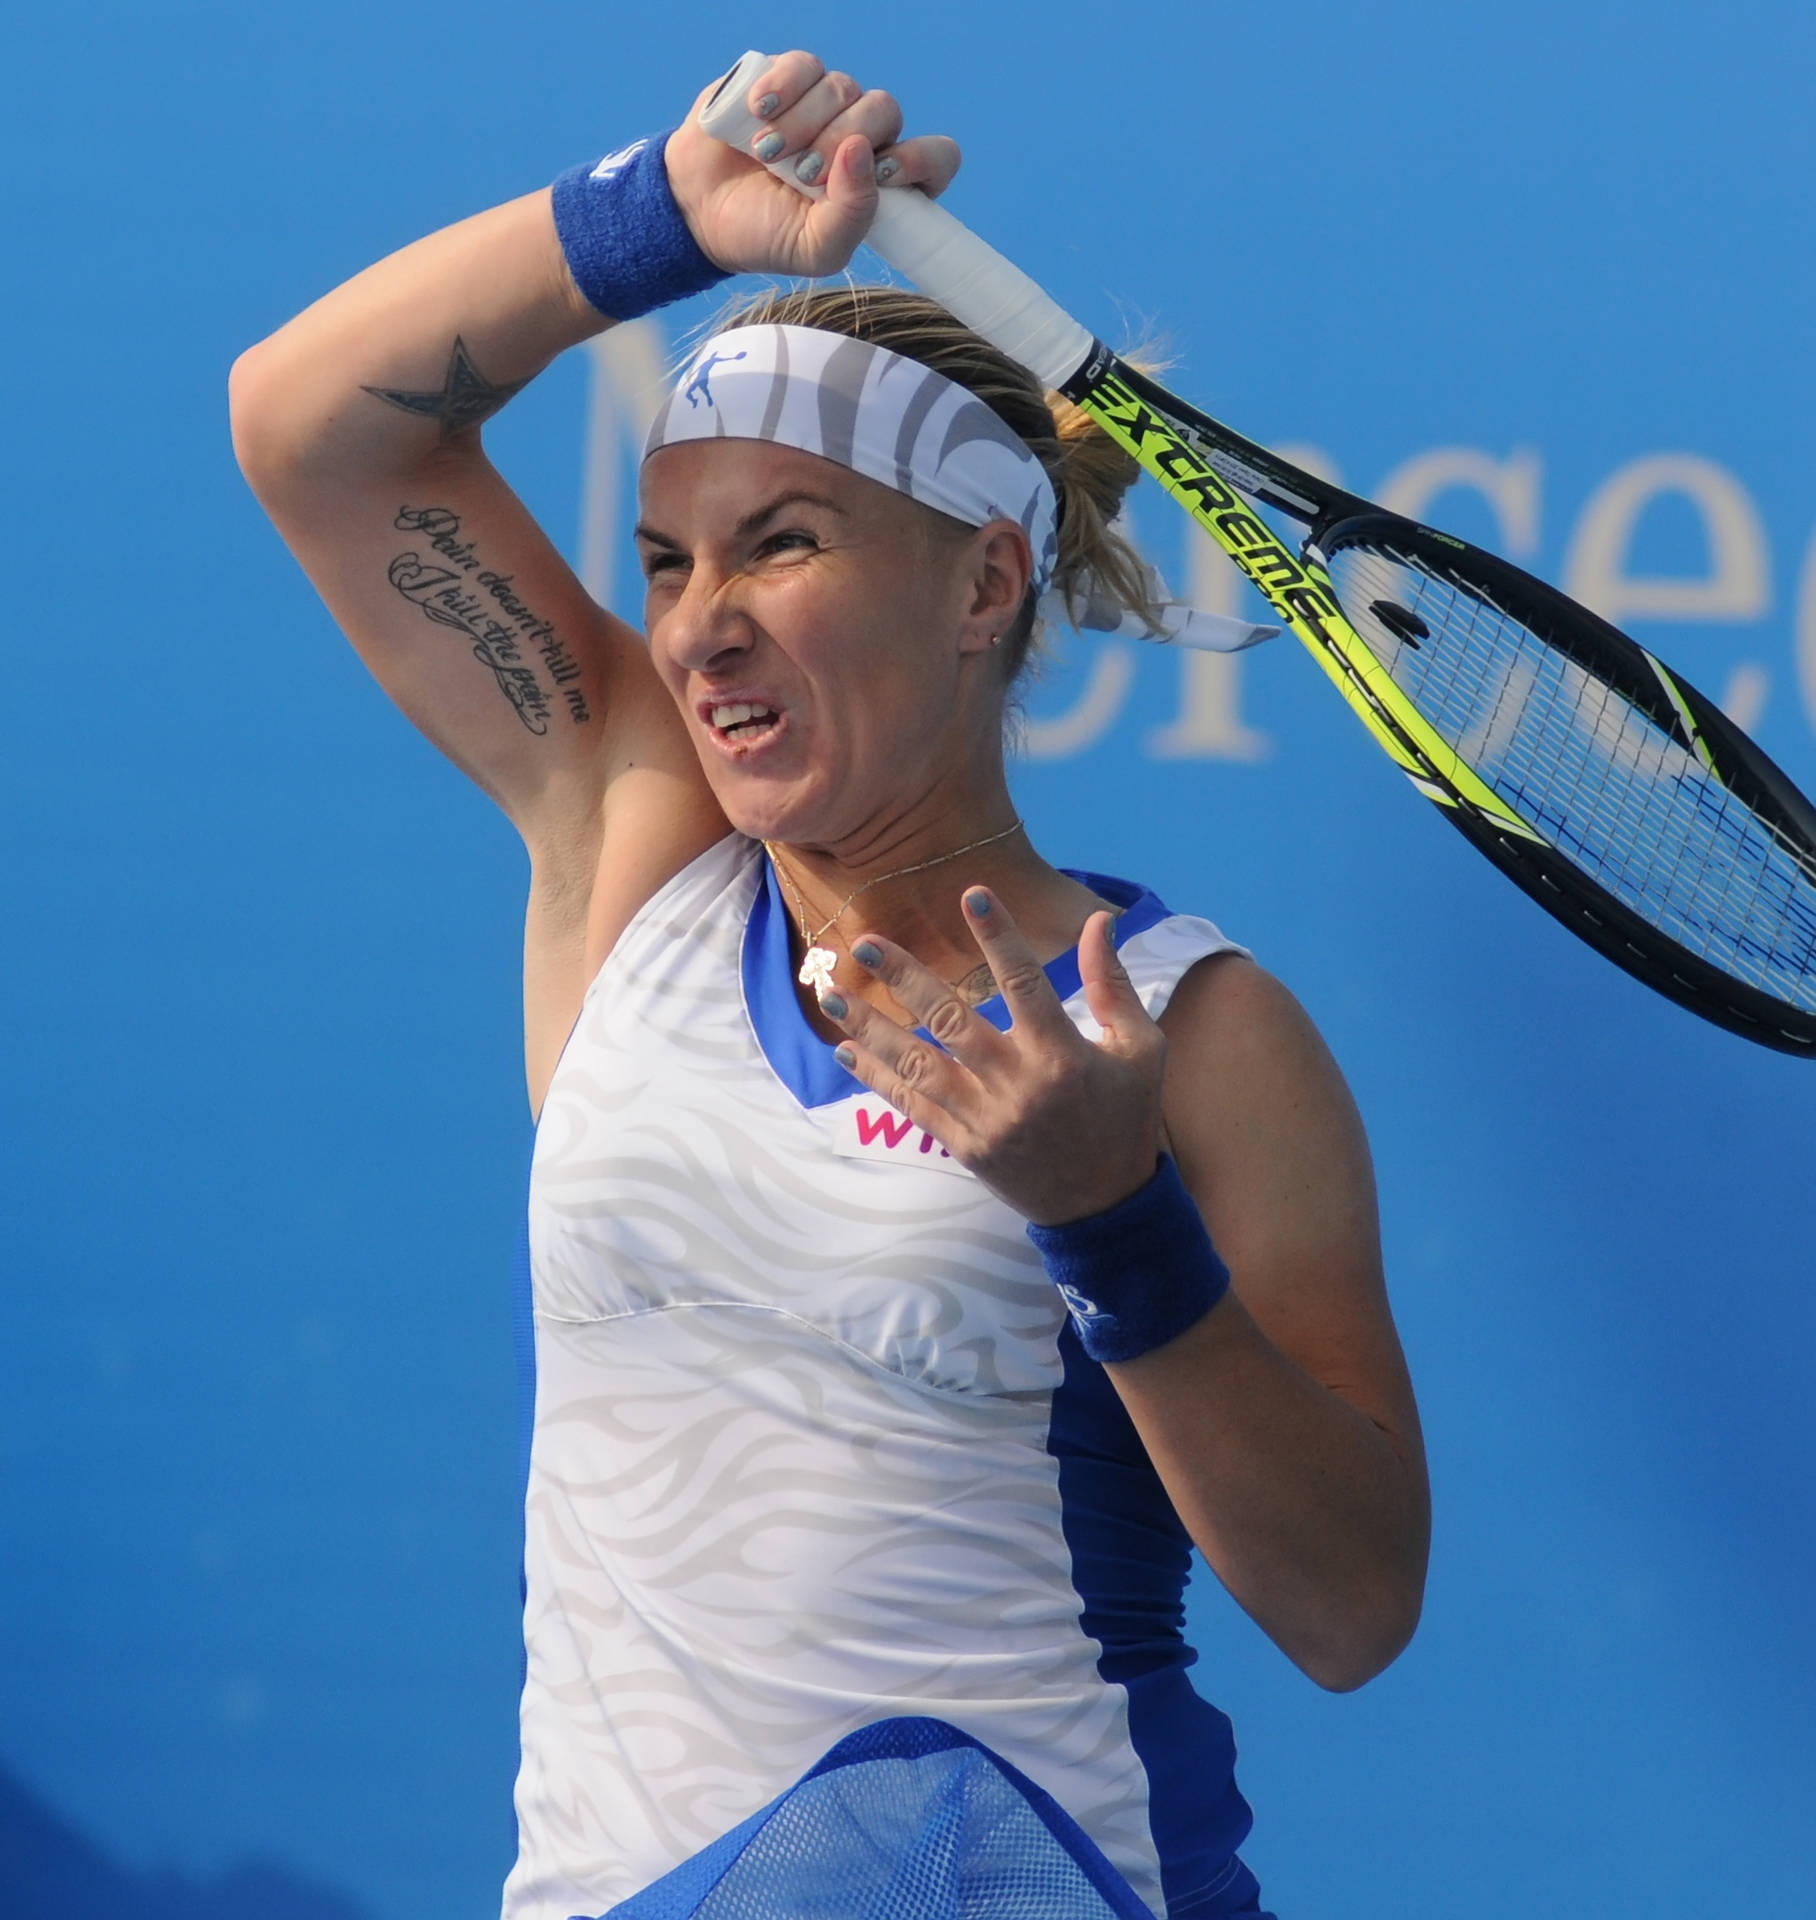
[702, 373]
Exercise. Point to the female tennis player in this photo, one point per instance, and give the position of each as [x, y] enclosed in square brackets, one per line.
[927, 1244]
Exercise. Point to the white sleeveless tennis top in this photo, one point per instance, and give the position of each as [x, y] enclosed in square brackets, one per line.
[809, 1449]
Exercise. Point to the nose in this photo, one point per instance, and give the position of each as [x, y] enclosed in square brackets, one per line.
[707, 627]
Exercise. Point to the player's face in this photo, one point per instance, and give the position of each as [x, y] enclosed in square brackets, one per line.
[812, 627]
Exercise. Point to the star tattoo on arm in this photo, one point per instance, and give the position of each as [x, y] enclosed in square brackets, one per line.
[464, 398]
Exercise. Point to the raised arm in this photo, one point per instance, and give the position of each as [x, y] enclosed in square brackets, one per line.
[359, 423]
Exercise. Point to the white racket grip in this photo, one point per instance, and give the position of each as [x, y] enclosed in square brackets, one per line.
[971, 280]
[926, 244]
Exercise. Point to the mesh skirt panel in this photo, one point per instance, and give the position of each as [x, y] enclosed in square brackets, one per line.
[908, 1819]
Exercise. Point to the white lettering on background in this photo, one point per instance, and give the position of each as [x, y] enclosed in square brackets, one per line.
[1744, 701]
[1091, 715]
[1510, 486]
[1737, 585]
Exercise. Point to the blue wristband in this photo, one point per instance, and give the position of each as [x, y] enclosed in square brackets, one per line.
[1138, 1275]
[627, 245]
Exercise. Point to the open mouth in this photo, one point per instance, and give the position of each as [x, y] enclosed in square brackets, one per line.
[739, 721]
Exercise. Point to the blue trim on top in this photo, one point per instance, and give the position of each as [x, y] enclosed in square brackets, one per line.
[801, 1060]
[1131, 1557]
[1141, 908]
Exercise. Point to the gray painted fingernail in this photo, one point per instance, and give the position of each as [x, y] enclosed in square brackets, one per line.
[767, 105]
[868, 954]
[845, 1056]
[769, 146]
[886, 170]
[808, 167]
[833, 1006]
[977, 903]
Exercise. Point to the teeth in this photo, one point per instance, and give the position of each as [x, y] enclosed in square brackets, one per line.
[736, 712]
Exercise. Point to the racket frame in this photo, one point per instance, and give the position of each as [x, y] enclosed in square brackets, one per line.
[1213, 472]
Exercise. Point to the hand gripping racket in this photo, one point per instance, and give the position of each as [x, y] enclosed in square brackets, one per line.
[1606, 786]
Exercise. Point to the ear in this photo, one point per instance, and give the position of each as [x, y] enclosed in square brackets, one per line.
[999, 566]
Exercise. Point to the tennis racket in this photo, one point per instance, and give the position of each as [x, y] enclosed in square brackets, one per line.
[1621, 799]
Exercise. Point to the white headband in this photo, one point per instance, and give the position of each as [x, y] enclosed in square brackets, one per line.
[900, 423]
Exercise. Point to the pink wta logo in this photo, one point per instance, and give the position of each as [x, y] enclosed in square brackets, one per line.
[894, 1129]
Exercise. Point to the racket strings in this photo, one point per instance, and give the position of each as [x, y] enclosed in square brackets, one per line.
[1725, 874]
[1612, 788]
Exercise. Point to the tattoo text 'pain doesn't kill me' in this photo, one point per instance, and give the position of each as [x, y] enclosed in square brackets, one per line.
[454, 590]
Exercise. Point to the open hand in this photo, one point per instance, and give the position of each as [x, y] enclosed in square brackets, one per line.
[1059, 1126]
[749, 221]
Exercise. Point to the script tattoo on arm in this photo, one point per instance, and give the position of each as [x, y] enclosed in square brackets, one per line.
[453, 588]
[464, 398]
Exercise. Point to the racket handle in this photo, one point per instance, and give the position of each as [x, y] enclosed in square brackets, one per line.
[926, 244]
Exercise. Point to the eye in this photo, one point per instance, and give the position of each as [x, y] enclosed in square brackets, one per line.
[658, 560]
[789, 539]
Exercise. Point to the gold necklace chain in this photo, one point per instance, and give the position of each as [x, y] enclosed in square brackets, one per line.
[816, 968]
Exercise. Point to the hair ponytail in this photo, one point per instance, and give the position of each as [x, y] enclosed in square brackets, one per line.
[1098, 565]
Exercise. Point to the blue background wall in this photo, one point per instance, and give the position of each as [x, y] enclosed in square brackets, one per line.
[263, 1134]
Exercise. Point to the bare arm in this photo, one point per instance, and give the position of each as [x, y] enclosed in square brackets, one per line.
[1283, 1423]
[358, 425]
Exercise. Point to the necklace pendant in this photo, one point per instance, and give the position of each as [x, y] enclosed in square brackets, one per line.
[816, 970]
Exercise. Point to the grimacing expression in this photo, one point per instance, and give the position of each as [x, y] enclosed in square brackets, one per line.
[819, 632]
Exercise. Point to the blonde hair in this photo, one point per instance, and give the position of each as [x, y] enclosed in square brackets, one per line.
[1089, 472]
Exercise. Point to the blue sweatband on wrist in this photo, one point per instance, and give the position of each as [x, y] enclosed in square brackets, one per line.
[1137, 1275]
[627, 246]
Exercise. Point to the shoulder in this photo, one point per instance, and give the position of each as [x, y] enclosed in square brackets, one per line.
[1242, 1053]
[1227, 1008]
[1262, 1122]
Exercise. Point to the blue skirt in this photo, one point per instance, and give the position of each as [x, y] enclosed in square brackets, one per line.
[908, 1819]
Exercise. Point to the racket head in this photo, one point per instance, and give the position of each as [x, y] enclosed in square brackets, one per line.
[1617, 796]
[1665, 838]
